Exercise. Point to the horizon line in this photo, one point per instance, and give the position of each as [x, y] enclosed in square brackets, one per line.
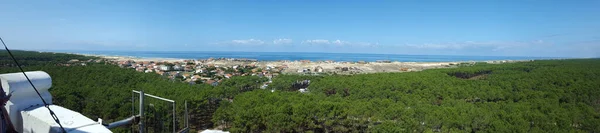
[300, 52]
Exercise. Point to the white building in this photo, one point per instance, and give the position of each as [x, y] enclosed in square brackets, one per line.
[165, 67]
[177, 68]
[199, 71]
[148, 71]
[303, 90]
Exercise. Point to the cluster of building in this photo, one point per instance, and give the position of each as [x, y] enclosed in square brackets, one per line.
[200, 71]
[77, 62]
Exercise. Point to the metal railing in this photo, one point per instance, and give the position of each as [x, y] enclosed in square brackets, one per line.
[141, 111]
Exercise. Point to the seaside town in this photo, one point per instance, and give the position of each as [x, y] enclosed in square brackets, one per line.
[212, 71]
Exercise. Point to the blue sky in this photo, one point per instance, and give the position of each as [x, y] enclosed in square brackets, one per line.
[556, 28]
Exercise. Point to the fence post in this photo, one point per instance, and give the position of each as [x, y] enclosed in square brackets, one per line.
[174, 124]
[141, 111]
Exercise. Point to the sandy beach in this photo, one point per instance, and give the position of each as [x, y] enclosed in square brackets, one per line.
[330, 66]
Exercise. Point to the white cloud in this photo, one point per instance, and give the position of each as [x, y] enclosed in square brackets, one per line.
[339, 42]
[282, 41]
[248, 41]
[316, 41]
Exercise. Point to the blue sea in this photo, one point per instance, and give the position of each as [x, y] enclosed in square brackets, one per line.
[274, 56]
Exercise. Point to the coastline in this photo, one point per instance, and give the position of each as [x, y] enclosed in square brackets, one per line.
[124, 58]
[299, 66]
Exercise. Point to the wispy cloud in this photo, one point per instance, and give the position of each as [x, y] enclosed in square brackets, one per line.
[244, 42]
[282, 41]
[316, 41]
[338, 43]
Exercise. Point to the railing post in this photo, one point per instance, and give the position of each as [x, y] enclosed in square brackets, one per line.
[132, 110]
[141, 111]
[187, 124]
[174, 124]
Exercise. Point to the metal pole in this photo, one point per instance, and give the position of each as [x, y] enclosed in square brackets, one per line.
[187, 124]
[157, 97]
[174, 129]
[141, 111]
[132, 109]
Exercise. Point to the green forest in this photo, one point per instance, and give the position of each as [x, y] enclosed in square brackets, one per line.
[538, 96]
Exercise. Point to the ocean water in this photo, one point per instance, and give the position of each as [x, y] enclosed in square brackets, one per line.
[273, 56]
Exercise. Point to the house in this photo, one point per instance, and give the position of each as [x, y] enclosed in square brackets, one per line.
[177, 68]
[212, 82]
[188, 69]
[73, 60]
[162, 73]
[384, 61]
[165, 67]
[186, 75]
[228, 75]
[175, 74]
[319, 69]
[305, 61]
[345, 69]
[124, 64]
[303, 90]
[200, 70]
[196, 77]
[403, 69]
[306, 70]
[268, 75]
[148, 71]
[140, 69]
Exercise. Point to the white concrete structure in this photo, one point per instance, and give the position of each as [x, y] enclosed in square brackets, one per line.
[214, 131]
[27, 111]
